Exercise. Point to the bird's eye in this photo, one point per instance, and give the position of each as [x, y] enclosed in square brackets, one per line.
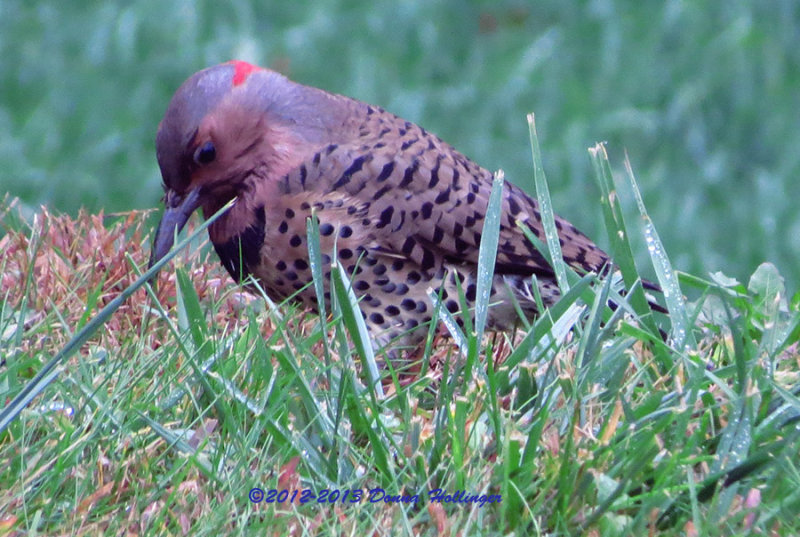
[206, 153]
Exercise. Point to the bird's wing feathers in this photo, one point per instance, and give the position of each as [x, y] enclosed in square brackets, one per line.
[425, 201]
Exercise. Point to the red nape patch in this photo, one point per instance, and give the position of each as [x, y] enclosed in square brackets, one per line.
[242, 70]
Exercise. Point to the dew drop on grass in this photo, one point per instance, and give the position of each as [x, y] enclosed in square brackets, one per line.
[669, 286]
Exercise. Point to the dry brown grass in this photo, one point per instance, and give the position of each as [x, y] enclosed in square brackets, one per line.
[58, 263]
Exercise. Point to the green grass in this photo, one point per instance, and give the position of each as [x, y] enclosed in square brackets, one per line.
[702, 95]
[585, 422]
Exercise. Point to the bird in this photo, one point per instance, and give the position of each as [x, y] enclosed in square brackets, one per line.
[404, 209]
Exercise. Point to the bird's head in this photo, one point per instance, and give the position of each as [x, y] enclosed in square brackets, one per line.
[225, 125]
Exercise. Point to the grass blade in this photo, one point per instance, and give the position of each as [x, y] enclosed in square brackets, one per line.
[618, 235]
[347, 303]
[682, 336]
[546, 209]
[487, 254]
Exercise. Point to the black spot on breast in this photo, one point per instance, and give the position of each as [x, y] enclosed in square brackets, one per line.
[242, 253]
[376, 318]
[325, 229]
[361, 285]
[295, 241]
[389, 287]
[471, 292]
[443, 197]
[452, 306]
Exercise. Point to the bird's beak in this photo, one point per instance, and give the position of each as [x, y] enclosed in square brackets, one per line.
[179, 207]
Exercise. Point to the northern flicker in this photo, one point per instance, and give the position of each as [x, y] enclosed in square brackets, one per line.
[405, 209]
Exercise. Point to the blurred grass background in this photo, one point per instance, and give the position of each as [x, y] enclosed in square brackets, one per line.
[704, 96]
